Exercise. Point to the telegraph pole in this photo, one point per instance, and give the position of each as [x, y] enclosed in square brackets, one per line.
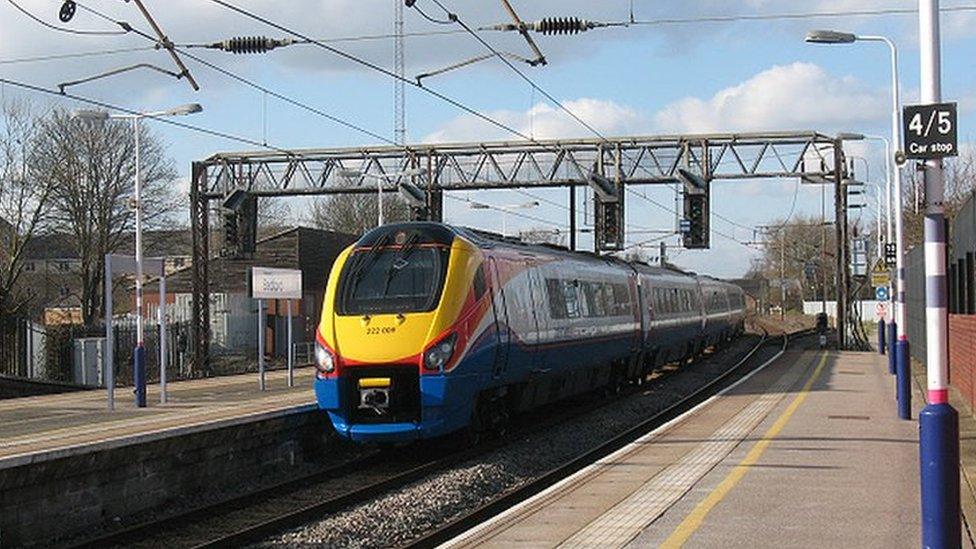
[938, 421]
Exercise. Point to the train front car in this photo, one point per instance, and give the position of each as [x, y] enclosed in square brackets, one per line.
[401, 307]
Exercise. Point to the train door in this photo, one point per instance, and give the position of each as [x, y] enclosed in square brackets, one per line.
[637, 305]
[539, 318]
[504, 336]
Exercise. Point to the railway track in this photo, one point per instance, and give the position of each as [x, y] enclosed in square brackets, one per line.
[256, 516]
[513, 497]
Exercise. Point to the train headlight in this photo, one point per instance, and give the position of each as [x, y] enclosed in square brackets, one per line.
[438, 356]
[324, 359]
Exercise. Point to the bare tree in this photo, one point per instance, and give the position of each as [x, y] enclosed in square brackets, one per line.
[796, 249]
[91, 166]
[24, 200]
[356, 213]
[960, 183]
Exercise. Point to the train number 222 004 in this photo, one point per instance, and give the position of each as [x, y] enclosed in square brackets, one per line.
[380, 330]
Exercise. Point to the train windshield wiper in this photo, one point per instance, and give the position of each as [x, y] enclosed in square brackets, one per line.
[399, 261]
[362, 267]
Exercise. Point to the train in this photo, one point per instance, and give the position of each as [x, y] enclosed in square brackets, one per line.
[429, 329]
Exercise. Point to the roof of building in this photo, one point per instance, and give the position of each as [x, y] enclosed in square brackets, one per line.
[157, 243]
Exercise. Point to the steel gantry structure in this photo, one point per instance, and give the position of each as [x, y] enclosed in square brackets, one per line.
[609, 165]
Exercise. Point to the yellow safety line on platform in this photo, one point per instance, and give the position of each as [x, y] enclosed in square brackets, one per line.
[694, 520]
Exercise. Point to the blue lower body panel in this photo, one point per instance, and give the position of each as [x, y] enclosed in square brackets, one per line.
[445, 407]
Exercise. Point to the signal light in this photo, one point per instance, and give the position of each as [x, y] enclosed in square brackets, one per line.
[232, 236]
[696, 213]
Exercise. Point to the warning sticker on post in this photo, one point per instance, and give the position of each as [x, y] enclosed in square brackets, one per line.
[930, 131]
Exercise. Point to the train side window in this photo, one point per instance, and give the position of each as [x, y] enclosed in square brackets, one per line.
[479, 283]
[606, 297]
[594, 305]
[571, 297]
[557, 298]
[621, 299]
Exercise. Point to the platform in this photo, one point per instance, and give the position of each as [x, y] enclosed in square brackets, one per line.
[45, 427]
[808, 452]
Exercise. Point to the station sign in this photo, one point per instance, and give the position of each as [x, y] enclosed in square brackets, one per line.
[268, 283]
[930, 131]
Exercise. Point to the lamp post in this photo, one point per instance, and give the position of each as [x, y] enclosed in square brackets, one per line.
[380, 178]
[901, 346]
[139, 354]
[891, 171]
[504, 209]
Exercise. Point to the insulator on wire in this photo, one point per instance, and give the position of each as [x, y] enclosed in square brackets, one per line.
[251, 44]
[562, 25]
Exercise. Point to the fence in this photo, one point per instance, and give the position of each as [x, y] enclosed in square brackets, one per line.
[24, 349]
[961, 299]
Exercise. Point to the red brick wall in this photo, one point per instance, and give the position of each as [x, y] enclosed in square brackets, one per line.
[962, 356]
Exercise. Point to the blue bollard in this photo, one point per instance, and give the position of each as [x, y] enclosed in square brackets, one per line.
[938, 431]
[892, 337]
[139, 375]
[881, 336]
[904, 381]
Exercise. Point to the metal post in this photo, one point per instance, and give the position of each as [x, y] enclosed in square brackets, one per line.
[823, 248]
[107, 354]
[938, 422]
[572, 217]
[379, 201]
[291, 371]
[882, 340]
[840, 228]
[139, 356]
[261, 344]
[902, 364]
[782, 273]
[162, 337]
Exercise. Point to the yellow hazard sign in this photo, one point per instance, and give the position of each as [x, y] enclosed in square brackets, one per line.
[880, 275]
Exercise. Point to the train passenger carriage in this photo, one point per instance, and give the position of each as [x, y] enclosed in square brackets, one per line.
[428, 329]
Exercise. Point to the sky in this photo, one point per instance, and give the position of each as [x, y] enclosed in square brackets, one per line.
[667, 77]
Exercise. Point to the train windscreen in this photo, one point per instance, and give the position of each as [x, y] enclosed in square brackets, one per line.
[389, 280]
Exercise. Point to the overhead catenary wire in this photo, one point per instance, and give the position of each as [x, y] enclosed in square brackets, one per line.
[454, 17]
[255, 85]
[164, 120]
[78, 55]
[350, 57]
[788, 16]
[64, 29]
[373, 66]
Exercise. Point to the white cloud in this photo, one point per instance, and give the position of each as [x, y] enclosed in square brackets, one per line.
[795, 96]
[799, 96]
[543, 121]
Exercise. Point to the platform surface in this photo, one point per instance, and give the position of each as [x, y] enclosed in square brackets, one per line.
[808, 452]
[45, 427]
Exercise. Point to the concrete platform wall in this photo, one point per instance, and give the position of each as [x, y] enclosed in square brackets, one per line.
[15, 387]
[48, 500]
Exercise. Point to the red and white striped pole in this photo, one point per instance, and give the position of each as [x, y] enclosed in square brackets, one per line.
[938, 421]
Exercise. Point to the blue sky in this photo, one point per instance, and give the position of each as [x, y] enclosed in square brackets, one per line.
[665, 78]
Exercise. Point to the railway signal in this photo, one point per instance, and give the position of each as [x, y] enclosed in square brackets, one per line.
[696, 209]
[609, 206]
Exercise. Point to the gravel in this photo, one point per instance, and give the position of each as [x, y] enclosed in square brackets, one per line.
[396, 518]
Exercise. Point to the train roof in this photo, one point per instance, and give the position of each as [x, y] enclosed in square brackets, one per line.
[431, 232]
